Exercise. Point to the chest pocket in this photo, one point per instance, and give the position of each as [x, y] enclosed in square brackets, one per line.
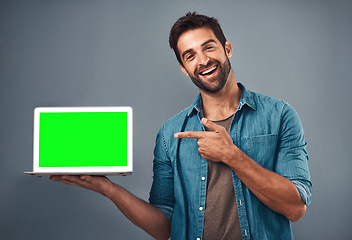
[262, 149]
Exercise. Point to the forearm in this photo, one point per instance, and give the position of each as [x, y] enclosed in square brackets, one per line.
[272, 189]
[140, 212]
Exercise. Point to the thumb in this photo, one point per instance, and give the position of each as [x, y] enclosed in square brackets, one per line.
[209, 124]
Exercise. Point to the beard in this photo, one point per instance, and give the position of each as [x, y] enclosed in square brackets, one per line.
[220, 79]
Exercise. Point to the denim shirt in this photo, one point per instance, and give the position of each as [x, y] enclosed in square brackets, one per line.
[266, 129]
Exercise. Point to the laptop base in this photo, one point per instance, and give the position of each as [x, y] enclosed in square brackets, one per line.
[40, 174]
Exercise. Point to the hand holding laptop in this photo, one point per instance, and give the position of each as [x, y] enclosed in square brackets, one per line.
[99, 184]
[74, 143]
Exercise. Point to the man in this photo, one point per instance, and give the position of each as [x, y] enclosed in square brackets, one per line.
[233, 165]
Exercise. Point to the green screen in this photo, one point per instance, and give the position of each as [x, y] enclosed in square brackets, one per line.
[83, 139]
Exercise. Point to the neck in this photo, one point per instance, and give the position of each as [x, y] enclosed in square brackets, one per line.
[223, 104]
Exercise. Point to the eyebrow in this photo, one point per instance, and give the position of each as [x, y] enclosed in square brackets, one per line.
[203, 44]
[209, 41]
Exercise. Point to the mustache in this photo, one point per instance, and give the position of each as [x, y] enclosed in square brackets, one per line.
[203, 67]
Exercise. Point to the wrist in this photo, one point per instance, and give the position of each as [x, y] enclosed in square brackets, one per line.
[229, 154]
[233, 156]
[109, 189]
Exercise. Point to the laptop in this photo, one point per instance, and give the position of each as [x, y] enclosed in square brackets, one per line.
[82, 140]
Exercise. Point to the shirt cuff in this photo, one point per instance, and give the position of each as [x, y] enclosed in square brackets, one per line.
[167, 211]
[304, 189]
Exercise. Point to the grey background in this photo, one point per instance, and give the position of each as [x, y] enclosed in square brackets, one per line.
[103, 53]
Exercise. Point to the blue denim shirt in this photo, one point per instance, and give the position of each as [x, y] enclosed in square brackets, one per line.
[266, 129]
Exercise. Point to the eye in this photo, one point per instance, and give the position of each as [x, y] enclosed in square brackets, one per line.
[189, 57]
[209, 48]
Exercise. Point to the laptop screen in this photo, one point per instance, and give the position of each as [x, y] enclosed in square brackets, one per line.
[83, 139]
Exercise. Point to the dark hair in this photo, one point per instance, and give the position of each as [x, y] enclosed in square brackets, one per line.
[193, 21]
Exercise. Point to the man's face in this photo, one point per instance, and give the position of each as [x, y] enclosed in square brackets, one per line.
[204, 59]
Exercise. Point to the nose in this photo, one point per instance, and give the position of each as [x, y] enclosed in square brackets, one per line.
[203, 59]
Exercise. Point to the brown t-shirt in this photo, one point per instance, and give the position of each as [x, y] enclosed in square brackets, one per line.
[221, 221]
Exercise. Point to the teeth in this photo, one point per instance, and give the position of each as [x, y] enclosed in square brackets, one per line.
[209, 70]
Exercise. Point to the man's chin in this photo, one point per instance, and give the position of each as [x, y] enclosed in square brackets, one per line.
[213, 89]
[208, 85]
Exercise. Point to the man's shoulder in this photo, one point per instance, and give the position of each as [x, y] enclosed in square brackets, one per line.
[271, 108]
[172, 126]
[176, 121]
[262, 98]
[259, 101]
[268, 103]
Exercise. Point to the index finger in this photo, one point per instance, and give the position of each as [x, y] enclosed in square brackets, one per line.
[189, 134]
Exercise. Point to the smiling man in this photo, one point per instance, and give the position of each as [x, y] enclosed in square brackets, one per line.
[213, 72]
[233, 165]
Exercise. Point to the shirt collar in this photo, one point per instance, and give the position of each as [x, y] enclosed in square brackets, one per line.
[246, 99]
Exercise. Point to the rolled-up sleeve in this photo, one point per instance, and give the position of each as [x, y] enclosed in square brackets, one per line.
[162, 190]
[291, 154]
[304, 189]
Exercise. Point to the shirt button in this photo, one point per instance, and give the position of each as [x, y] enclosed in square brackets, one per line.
[203, 178]
[198, 238]
[201, 209]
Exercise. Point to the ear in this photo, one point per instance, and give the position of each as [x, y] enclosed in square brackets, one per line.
[184, 70]
[228, 49]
